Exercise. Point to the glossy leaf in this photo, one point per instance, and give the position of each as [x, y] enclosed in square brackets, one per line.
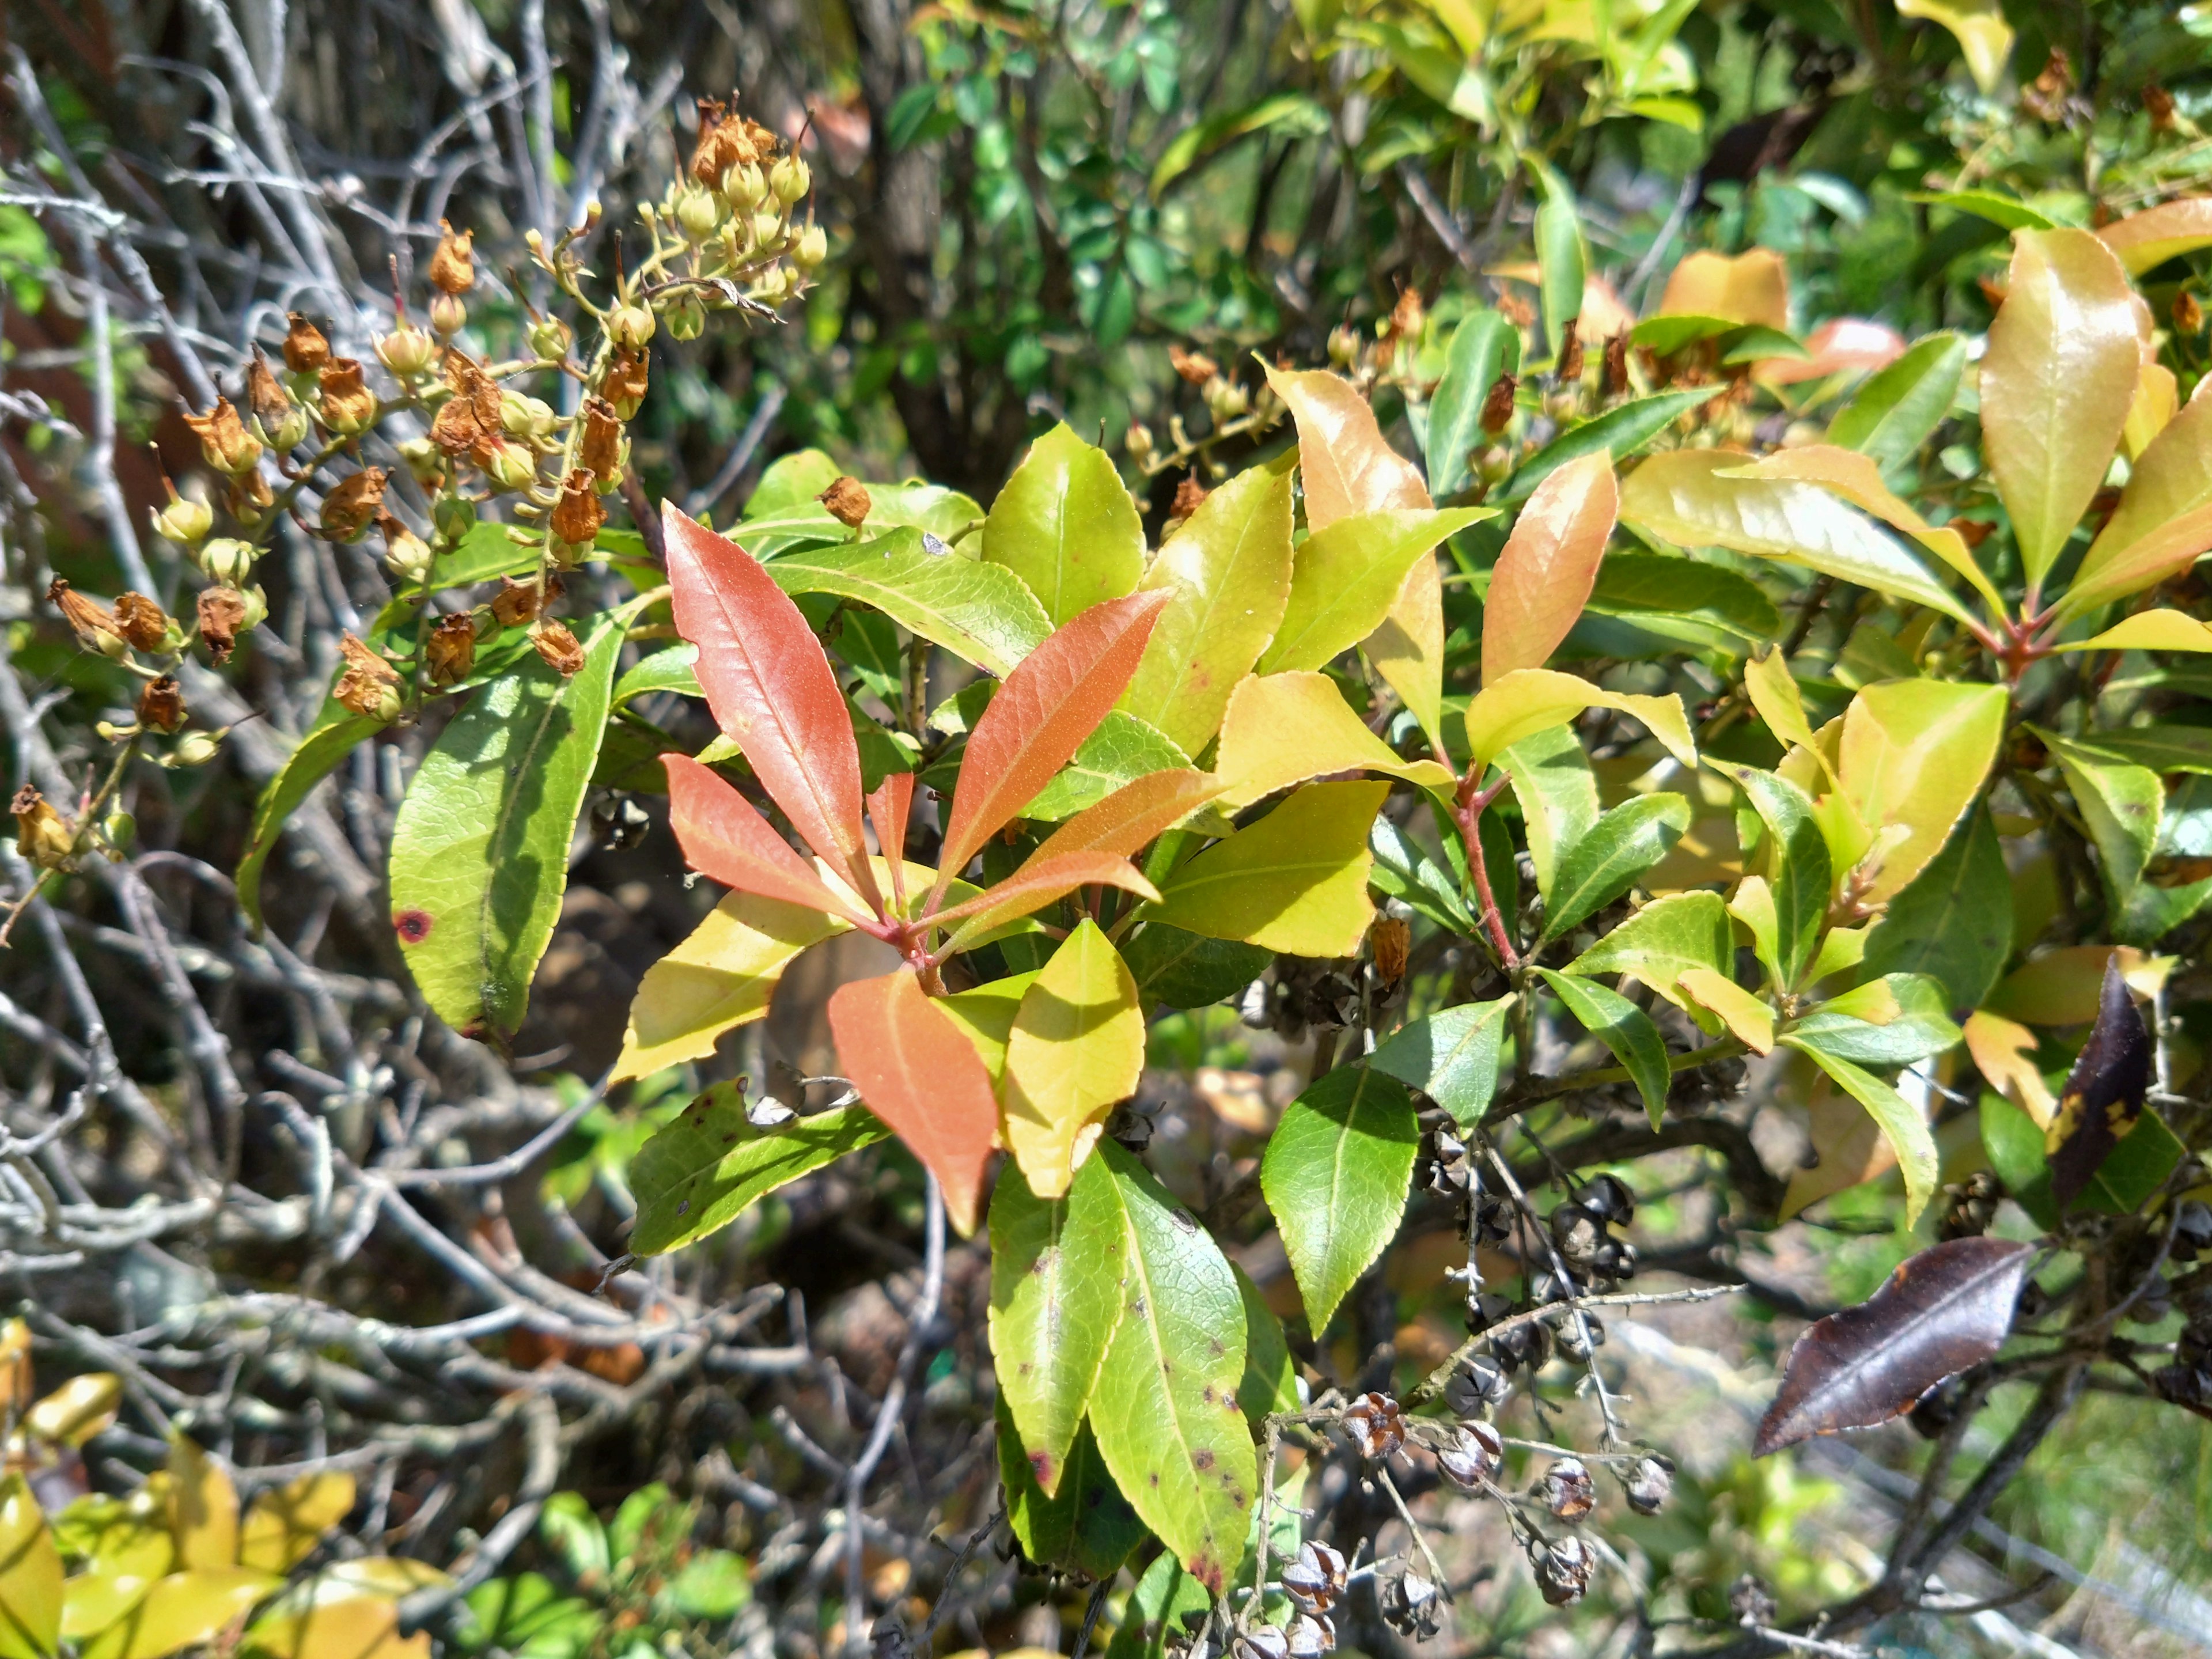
[1336, 1174]
[1556, 793]
[1562, 260]
[982, 613]
[1953, 921]
[1915, 753]
[1798, 872]
[1624, 1028]
[1532, 700]
[2157, 527]
[2120, 802]
[1055, 1300]
[1041, 716]
[2150, 631]
[1077, 1046]
[1544, 575]
[2161, 748]
[985, 1014]
[1620, 432]
[1134, 815]
[1270, 1376]
[1895, 1020]
[917, 1071]
[1227, 571]
[1403, 871]
[1984, 36]
[1165, 1406]
[317, 757]
[181, 1611]
[1190, 970]
[710, 1165]
[2145, 241]
[2103, 1096]
[1295, 882]
[769, 684]
[1120, 751]
[1606, 861]
[1661, 941]
[1750, 1021]
[1899, 407]
[1684, 496]
[1085, 1525]
[202, 1507]
[1450, 1057]
[2056, 381]
[1346, 577]
[1483, 346]
[283, 1525]
[1347, 466]
[1282, 729]
[30, 1576]
[726, 839]
[1039, 882]
[2161, 552]
[1065, 525]
[1672, 597]
[1407, 648]
[73, 1414]
[1902, 1124]
[1945, 1309]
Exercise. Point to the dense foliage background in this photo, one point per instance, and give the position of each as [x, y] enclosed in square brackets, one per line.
[347, 1170]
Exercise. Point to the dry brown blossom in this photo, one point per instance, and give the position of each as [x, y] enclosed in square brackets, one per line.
[161, 705]
[306, 350]
[224, 440]
[141, 621]
[450, 650]
[557, 646]
[847, 500]
[88, 617]
[452, 267]
[355, 502]
[222, 613]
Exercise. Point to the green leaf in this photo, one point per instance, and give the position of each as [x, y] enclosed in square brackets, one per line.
[1165, 1406]
[1450, 1057]
[1336, 1174]
[1662, 940]
[1606, 861]
[1483, 347]
[30, 1574]
[1664, 590]
[2161, 748]
[1402, 871]
[1620, 432]
[1086, 1526]
[1900, 405]
[1270, 1376]
[1190, 970]
[1953, 923]
[1295, 111]
[1898, 1020]
[1121, 750]
[792, 480]
[2120, 803]
[568, 1525]
[985, 1014]
[2007, 212]
[480, 847]
[670, 670]
[1623, 1027]
[525, 1616]
[1903, 1127]
[700, 1172]
[713, 1584]
[1562, 261]
[2014, 1141]
[2136, 1169]
[1161, 1610]
[1295, 882]
[1065, 525]
[1798, 870]
[1229, 569]
[329, 741]
[1344, 578]
[982, 613]
[1557, 793]
[1056, 1299]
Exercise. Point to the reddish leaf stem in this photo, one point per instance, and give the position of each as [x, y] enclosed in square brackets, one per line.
[1467, 811]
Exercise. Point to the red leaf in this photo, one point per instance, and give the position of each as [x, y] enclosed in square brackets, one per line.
[1133, 815]
[1037, 884]
[1054, 699]
[768, 681]
[887, 809]
[919, 1073]
[1544, 576]
[724, 838]
[1944, 1309]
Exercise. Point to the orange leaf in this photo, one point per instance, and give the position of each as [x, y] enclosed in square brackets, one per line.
[918, 1071]
[1052, 700]
[1347, 466]
[887, 809]
[1038, 882]
[1544, 576]
[768, 681]
[1750, 288]
[1133, 815]
[725, 839]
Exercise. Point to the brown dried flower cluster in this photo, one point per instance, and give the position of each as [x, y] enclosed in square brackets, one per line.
[222, 614]
[452, 267]
[368, 686]
[727, 139]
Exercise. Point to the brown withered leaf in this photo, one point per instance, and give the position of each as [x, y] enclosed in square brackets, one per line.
[1944, 1309]
[2103, 1092]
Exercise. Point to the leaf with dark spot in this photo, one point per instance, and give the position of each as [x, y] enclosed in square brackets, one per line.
[2103, 1092]
[1944, 1309]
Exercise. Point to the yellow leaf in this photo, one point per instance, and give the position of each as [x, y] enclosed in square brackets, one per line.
[2157, 401]
[1347, 466]
[1914, 754]
[986, 1014]
[1751, 1020]
[1407, 649]
[1840, 948]
[2004, 1054]
[1295, 882]
[1752, 904]
[1531, 700]
[2060, 987]
[30, 1576]
[2150, 631]
[1077, 1046]
[1749, 287]
[128, 1546]
[1984, 36]
[1282, 729]
[182, 1611]
[202, 1508]
[282, 1526]
[1774, 694]
[76, 1410]
[16, 1380]
[338, 1626]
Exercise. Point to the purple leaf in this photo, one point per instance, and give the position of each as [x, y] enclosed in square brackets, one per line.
[2103, 1092]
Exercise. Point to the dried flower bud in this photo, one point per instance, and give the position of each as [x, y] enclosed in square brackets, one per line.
[221, 614]
[226, 560]
[407, 351]
[811, 248]
[93, 623]
[1751, 1602]
[348, 407]
[631, 326]
[847, 500]
[1567, 1489]
[1497, 405]
[508, 465]
[601, 450]
[1195, 368]
[161, 705]
[142, 623]
[1571, 351]
[353, 504]
[515, 602]
[1190, 496]
[1616, 366]
[406, 555]
[1375, 1424]
[1260, 1642]
[625, 384]
[224, 440]
[1391, 940]
[184, 520]
[282, 422]
[1472, 1455]
[1315, 1579]
[249, 498]
[452, 267]
[369, 685]
[43, 836]
[1408, 315]
[2158, 103]
[727, 139]
[1649, 1484]
[577, 515]
[306, 350]
[450, 650]
[2188, 313]
[1563, 1569]
[790, 179]
[557, 646]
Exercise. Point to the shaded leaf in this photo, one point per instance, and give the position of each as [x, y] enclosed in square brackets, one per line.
[1190, 970]
[1953, 922]
[2103, 1096]
[982, 613]
[1625, 1028]
[1482, 347]
[1085, 1526]
[282, 1526]
[702, 1170]
[1336, 1174]
[1556, 793]
[1450, 1057]
[1902, 1124]
[1620, 432]
[1607, 861]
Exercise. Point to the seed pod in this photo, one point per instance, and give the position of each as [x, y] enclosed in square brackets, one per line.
[1344, 345]
[224, 440]
[1375, 1424]
[453, 517]
[631, 326]
[1577, 1233]
[811, 248]
[686, 317]
[515, 602]
[448, 315]
[1474, 1454]
[1571, 352]
[1498, 404]
[1752, 1602]
[618, 822]
[1260, 1642]
[1563, 1568]
[1315, 1579]
[847, 500]
[1649, 1483]
[1412, 1606]
[1311, 1636]
[452, 266]
[222, 613]
[347, 406]
[306, 350]
[1608, 1198]
[1567, 1490]
[1477, 1385]
[1195, 368]
[1616, 366]
[1578, 1338]
[161, 705]
[790, 180]
[1391, 940]
[557, 646]
[450, 650]
[282, 422]
[43, 836]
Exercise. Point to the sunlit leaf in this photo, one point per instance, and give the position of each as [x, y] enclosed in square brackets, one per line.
[1347, 466]
[202, 1507]
[1295, 882]
[725, 839]
[1336, 1174]
[1134, 815]
[1065, 525]
[1900, 406]
[1557, 793]
[1605, 862]
[1663, 941]
[706, 1167]
[1625, 1028]
[1121, 750]
[982, 613]
[2120, 802]
[30, 1576]
[1532, 700]
[1750, 1021]
[1077, 1046]
[1548, 566]
[2150, 631]
[2147, 240]
[1451, 1056]
[1345, 576]
[1914, 753]
[1984, 36]
[1407, 648]
[1085, 1525]
[1903, 1125]
[1040, 881]
[2161, 524]
[282, 1526]
[1753, 287]
[181, 1611]
[1798, 872]
[1483, 346]
[1282, 729]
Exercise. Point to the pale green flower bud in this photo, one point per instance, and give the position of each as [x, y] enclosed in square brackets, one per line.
[225, 560]
[790, 180]
[811, 248]
[630, 326]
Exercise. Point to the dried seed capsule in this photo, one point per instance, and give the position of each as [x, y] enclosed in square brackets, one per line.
[346, 405]
[847, 501]
[42, 835]
[1751, 1602]
[1567, 1489]
[1315, 1579]
[1563, 1568]
[306, 350]
[1608, 1199]
[225, 443]
[1476, 1386]
[1474, 1454]
[142, 623]
[450, 650]
[2192, 1230]
[221, 618]
[161, 705]
[1311, 1636]
[1577, 1234]
[1413, 1606]
[452, 266]
[1649, 1484]
[1375, 1424]
[1577, 1338]
[1260, 1642]
[557, 646]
